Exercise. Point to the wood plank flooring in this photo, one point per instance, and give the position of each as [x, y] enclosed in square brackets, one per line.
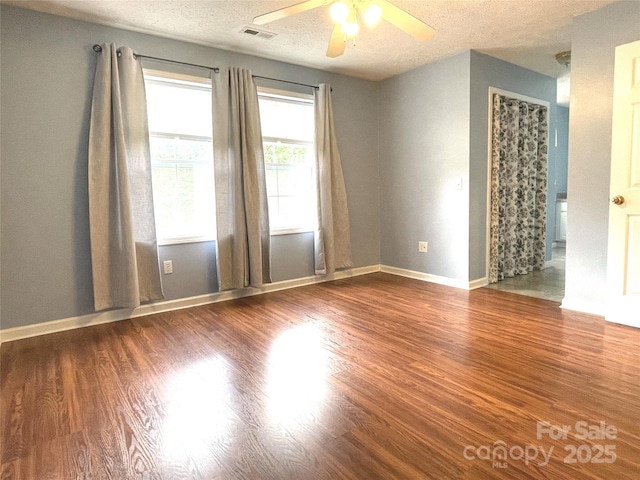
[375, 377]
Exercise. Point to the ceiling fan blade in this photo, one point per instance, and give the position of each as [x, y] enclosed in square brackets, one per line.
[337, 43]
[288, 11]
[406, 22]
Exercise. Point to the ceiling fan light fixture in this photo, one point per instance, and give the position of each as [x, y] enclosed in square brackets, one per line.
[350, 26]
[339, 12]
[350, 29]
[372, 14]
[344, 14]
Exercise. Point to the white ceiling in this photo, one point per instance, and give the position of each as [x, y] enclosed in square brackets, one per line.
[525, 32]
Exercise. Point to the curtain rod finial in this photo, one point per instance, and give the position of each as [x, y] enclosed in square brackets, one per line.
[97, 48]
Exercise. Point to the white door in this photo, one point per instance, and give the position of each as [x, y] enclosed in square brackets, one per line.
[623, 260]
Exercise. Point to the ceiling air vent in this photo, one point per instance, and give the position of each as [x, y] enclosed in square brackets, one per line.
[254, 32]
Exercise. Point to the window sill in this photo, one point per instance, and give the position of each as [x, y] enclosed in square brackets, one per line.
[181, 240]
[273, 233]
[291, 231]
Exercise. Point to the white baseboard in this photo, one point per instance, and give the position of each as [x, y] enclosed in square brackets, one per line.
[17, 333]
[547, 264]
[584, 306]
[427, 277]
[478, 283]
[611, 314]
[618, 312]
[623, 321]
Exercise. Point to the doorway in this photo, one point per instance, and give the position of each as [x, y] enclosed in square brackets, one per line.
[520, 257]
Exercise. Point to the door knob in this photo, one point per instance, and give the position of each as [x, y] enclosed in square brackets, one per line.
[618, 200]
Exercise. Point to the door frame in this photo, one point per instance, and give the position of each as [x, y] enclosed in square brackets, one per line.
[525, 98]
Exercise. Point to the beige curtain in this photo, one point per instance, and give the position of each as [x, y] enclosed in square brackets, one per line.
[242, 215]
[124, 251]
[332, 242]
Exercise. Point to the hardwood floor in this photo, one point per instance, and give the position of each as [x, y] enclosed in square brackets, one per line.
[375, 377]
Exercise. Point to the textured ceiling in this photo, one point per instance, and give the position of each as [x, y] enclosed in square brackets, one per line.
[525, 32]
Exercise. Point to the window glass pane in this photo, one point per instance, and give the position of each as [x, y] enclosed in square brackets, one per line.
[300, 154]
[291, 211]
[183, 188]
[269, 155]
[162, 149]
[271, 174]
[291, 195]
[282, 153]
[194, 151]
[181, 158]
[274, 213]
[178, 109]
[286, 119]
[287, 126]
[287, 180]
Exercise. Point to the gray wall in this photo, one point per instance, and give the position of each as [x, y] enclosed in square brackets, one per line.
[424, 150]
[562, 161]
[558, 176]
[594, 38]
[488, 72]
[433, 131]
[47, 69]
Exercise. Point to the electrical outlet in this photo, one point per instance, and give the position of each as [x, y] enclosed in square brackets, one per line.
[168, 266]
[423, 247]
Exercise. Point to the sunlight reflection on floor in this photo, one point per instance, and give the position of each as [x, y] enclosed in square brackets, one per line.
[200, 410]
[297, 375]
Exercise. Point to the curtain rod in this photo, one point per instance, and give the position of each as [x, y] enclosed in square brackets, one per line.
[315, 87]
[98, 48]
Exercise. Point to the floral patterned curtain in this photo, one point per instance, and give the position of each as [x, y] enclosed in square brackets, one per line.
[518, 188]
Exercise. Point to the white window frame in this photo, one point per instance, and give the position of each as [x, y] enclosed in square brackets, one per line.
[293, 97]
[187, 81]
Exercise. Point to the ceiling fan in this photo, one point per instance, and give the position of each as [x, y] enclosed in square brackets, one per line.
[345, 15]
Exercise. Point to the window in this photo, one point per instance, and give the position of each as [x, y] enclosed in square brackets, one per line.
[179, 112]
[287, 122]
